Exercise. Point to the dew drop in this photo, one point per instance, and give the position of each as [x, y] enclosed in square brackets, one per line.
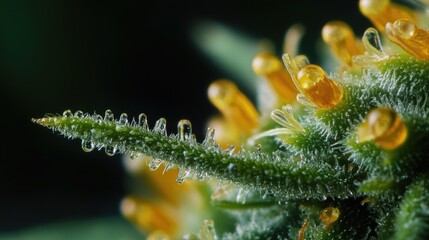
[372, 42]
[143, 121]
[374, 51]
[123, 119]
[182, 175]
[110, 150]
[97, 117]
[155, 163]
[78, 114]
[108, 115]
[232, 168]
[231, 150]
[184, 129]
[67, 114]
[87, 146]
[160, 126]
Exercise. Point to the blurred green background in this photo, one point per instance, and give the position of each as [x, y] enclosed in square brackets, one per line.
[129, 56]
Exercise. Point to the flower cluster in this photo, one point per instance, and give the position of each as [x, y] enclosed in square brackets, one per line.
[337, 155]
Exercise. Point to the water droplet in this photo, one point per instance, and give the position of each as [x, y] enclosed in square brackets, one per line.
[372, 42]
[67, 114]
[231, 150]
[123, 119]
[374, 51]
[182, 175]
[209, 138]
[184, 129]
[232, 168]
[155, 163]
[97, 117]
[143, 121]
[110, 150]
[78, 114]
[108, 115]
[161, 126]
[87, 146]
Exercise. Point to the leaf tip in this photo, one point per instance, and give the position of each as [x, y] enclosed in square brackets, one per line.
[41, 121]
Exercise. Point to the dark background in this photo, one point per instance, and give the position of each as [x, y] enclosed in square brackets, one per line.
[128, 56]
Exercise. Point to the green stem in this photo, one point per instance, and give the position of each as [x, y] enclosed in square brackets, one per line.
[286, 177]
[412, 220]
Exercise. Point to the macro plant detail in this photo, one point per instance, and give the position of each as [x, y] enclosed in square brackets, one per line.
[339, 155]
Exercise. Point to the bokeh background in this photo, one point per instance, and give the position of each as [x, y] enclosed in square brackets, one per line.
[129, 56]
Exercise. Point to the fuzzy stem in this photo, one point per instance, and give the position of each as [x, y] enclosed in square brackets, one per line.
[412, 220]
[285, 177]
